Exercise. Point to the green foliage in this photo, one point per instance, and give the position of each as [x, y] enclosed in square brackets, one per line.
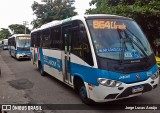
[145, 12]
[50, 11]
[19, 29]
[4, 33]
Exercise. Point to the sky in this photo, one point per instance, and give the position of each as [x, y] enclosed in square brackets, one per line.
[18, 11]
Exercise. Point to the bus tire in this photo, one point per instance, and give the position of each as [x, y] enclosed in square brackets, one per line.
[41, 70]
[83, 94]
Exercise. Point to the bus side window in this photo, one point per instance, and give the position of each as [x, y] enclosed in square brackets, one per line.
[46, 43]
[33, 41]
[80, 43]
[56, 38]
[37, 39]
[14, 42]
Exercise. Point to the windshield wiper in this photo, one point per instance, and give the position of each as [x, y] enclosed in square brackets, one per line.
[24, 45]
[127, 36]
[122, 46]
[135, 37]
[144, 53]
[123, 39]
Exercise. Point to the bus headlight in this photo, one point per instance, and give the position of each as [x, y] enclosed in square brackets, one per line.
[108, 82]
[155, 75]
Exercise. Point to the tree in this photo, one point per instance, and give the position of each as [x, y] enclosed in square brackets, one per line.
[145, 12]
[4, 33]
[50, 11]
[19, 29]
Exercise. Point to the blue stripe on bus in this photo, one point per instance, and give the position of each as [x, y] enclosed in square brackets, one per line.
[53, 62]
[90, 75]
[22, 51]
[41, 55]
[132, 78]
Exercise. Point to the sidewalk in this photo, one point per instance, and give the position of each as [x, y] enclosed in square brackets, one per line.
[8, 94]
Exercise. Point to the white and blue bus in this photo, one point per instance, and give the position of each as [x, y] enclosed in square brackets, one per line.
[19, 46]
[5, 44]
[103, 57]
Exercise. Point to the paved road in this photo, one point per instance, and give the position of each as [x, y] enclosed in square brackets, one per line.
[48, 90]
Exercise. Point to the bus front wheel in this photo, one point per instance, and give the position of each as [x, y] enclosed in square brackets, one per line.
[41, 69]
[83, 94]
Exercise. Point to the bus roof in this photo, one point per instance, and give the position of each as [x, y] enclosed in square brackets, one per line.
[15, 35]
[50, 24]
[5, 39]
[109, 16]
[79, 17]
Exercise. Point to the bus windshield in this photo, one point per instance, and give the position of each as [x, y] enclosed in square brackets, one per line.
[23, 42]
[5, 42]
[118, 39]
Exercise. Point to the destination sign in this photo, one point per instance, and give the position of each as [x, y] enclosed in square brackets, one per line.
[107, 24]
[23, 38]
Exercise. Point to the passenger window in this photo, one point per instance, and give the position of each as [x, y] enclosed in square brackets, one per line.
[33, 41]
[45, 40]
[56, 38]
[38, 39]
[80, 43]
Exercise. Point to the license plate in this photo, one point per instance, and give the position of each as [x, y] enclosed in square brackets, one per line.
[137, 89]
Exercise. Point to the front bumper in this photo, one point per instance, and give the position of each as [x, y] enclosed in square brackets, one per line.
[5, 47]
[103, 93]
[21, 56]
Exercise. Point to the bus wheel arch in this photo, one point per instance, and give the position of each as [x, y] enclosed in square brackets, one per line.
[75, 82]
[80, 88]
[41, 69]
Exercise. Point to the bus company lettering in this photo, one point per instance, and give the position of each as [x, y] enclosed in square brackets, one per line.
[124, 77]
[49, 61]
[53, 63]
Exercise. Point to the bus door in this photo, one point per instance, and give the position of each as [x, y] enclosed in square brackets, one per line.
[34, 55]
[14, 47]
[34, 49]
[66, 35]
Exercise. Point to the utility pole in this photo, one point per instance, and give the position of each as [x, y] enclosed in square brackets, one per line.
[25, 23]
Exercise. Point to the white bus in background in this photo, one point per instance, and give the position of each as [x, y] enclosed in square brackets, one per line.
[19, 46]
[103, 57]
[5, 44]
